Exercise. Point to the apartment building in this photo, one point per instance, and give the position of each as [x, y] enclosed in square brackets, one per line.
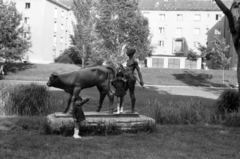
[177, 26]
[49, 25]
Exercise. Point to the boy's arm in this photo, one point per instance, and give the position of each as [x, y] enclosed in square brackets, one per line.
[139, 73]
[85, 101]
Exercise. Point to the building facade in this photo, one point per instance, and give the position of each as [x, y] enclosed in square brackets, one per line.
[48, 23]
[177, 26]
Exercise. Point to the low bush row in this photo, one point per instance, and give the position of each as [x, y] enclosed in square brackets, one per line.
[33, 99]
[26, 99]
[225, 111]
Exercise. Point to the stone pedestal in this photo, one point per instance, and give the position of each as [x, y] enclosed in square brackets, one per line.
[125, 121]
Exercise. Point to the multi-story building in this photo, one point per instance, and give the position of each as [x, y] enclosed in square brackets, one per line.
[177, 26]
[49, 25]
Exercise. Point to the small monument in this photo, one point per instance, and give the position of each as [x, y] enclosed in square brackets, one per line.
[73, 83]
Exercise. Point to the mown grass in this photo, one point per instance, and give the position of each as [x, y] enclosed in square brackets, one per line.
[153, 76]
[174, 141]
[24, 137]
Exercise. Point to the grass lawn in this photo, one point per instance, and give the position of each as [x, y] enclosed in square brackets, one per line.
[23, 137]
[153, 76]
[174, 141]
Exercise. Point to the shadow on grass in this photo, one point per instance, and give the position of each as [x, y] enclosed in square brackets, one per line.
[192, 79]
[17, 67]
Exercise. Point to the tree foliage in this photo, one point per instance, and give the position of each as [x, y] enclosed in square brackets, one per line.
[220, 53]
[83, 28]
[70, 55]
[121, 24]
[13, 45]
[192, 55]
[105, 28]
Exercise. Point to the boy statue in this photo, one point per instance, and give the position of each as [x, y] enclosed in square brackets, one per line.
[132, 64]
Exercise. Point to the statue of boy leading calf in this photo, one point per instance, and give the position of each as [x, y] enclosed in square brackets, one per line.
[100, 77]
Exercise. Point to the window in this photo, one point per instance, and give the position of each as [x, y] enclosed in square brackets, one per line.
[178, 46]
[196, 31]
[55, 12]
[207, 30]
[158, 62]
[217, 31]
[218, 16]
[54, 39]
[208, 15]
[62, 27]
[179, 32]
[161, 43]
[162, 30]
[196, 44]
[62, 13]
[25, 35]
[197, 17]
[55, 26]
[61, 40]
[179, 17]
[161, 16]
[26, 20]
[27, 5]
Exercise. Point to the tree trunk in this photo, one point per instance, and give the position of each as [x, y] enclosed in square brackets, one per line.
[83, 61]
[238, 73]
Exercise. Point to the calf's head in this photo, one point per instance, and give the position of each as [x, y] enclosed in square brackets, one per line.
[53, 80]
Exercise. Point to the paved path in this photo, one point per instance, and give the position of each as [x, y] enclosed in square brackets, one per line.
[206, 92]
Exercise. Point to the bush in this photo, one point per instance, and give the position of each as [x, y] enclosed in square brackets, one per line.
[4, 94]
[227, 102]
[27, 99]
[30, 99]
[70, 55]
[192, 112]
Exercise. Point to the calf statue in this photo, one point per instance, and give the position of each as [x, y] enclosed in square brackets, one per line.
[74, 82]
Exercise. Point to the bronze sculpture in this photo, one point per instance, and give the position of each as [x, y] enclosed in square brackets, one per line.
[132, 65]
[74, 82]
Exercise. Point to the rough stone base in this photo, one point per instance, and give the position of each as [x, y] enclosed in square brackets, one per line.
[125, 121]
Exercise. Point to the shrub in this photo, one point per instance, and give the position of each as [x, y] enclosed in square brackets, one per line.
[227, 102]
[70, 55]
[30, 99]
[27, 99]
[4, 94]
[192, 112]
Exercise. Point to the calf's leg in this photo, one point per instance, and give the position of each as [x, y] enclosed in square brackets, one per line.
[76, 93]
[101, 99]
[68, 103]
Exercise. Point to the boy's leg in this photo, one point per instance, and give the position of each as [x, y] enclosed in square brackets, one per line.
[121, 103]
[76, 131]
[118, 105]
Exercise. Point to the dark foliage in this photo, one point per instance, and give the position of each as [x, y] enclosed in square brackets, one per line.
[70, 55]
[228, 102]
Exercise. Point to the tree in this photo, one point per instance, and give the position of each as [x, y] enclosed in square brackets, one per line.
[232, 15]
[13, 44]
[120, 24]
[83, 28]
[220, 53]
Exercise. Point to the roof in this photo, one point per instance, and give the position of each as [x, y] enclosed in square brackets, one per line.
[67, 3]
[172, 5]
[59, 3]
[181, 5]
